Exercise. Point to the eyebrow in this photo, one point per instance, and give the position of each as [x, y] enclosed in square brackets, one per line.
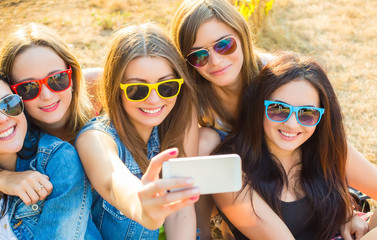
[48, 74]
[295, 106]
[196, 48]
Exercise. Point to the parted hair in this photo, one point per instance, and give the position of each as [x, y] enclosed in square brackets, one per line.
[129, 43]
[322, 176]
[36, 35]
[188, 18]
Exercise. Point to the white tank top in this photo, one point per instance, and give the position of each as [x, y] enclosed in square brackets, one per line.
[6, 232]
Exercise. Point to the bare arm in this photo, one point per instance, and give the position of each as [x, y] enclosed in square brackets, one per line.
[192, 136]
[145, 201]
[263, 223]
[361, 174]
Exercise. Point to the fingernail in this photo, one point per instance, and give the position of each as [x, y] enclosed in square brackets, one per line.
[195, 191]
[189, 180]
[194, 198]
[173, 152]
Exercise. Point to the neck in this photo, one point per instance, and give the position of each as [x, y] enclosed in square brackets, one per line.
[288, 159]
[145, 133]
[229, 97]
[8, 161]
[57, 129]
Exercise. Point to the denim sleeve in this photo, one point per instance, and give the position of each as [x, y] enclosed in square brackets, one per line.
[66, 210]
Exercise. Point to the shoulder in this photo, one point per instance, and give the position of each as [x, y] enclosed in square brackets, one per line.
[102, 124]
[48, 143]
[265, 57]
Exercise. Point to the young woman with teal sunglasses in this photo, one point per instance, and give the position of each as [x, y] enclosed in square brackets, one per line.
[294, 154]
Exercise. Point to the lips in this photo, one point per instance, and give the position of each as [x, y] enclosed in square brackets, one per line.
[51, 107]
[7, 132]
[220, 71]
[151, 111]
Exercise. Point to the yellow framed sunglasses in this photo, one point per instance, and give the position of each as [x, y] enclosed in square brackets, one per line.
[137, 92]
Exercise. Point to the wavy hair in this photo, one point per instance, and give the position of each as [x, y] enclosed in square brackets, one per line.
[128, 43]
[322, 176]
[36, 35]
[188, 18]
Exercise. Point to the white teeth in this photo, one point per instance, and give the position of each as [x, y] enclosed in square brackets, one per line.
[151, 111]
[289, 134]
[7, 133]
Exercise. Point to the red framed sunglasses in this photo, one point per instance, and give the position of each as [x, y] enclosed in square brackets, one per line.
[56, 82]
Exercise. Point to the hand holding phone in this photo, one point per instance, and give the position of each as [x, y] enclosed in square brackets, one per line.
[212, 174]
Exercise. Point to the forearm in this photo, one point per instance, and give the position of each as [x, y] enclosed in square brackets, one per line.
[181, 224]
[254, 218]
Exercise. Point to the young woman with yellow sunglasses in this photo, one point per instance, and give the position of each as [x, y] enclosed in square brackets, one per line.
[148, 107]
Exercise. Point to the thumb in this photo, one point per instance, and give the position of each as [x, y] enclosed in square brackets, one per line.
[155, 165]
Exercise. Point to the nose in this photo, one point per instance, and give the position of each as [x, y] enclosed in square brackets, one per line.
[292, 121]
[153, 97]
[214, 57]
[46, 93]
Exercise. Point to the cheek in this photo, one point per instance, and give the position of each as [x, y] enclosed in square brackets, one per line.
[30, 105]
[310, 131]
[126, 104]
[171, 102]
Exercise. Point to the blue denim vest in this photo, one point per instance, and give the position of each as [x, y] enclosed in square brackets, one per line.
[65, 212]
[111, 223]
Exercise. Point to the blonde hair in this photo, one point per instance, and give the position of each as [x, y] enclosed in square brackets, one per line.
[188, 18]
[34, 35]
[129, 43]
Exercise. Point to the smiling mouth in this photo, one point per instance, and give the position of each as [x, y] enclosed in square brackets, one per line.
[291, 135]
[220, 70]
[50, 106]
[7, 133]
[151, 111]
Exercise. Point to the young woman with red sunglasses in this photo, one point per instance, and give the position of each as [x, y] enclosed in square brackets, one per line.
[53, 174]
[48, 77]
[218, 46]
[148, 107]
[294, 155]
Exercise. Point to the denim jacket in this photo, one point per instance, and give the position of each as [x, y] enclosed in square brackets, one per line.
[111, 223]
[65, 212]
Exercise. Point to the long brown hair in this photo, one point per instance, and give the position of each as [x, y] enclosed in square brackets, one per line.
[127, 44]
[323, 156]
[188, 18]
[34, 35]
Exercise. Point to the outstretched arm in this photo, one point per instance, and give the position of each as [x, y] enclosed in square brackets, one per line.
[258, 223]
[145, 201]
[361, 174]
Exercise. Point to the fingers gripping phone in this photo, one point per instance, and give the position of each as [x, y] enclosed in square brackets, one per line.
[212, 174]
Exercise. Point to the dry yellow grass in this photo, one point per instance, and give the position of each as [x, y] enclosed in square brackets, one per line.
[341, 32]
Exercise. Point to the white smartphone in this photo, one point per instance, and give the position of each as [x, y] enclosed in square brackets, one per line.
[212, 174]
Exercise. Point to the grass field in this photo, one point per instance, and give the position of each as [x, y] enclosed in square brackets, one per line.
[343, 33]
